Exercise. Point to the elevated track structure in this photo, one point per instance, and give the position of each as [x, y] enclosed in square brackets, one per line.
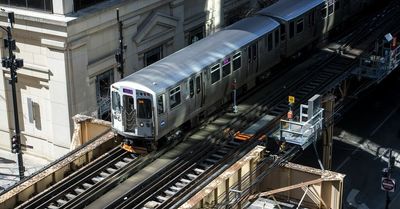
[326, 73]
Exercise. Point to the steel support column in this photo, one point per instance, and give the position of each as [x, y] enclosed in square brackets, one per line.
[329, 104]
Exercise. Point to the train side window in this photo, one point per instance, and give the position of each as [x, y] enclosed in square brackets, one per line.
[269, 41]
[215, 73]
[226, 67]
[323, 12]
[191, 87]
[175, 97]
[276, 37]
[160, 104]
[337, 5]
[291, 29]
[198, 88]
[237, 61]
[330, 9]
[283, 32]
[300, 25]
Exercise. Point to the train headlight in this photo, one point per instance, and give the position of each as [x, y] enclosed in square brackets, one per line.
[141, 124]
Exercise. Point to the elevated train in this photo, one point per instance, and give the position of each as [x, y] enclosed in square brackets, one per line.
[156, 101]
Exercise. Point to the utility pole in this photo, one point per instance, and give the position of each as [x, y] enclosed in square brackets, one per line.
[13, 64]
[388, 184]
[119, 55]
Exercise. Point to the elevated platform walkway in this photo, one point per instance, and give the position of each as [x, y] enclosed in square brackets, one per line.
[306, 129]
[379, 63]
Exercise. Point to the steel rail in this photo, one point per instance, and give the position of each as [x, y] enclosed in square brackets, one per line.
[332, 74]
[58, 190]
[209, 165]
[139, 192]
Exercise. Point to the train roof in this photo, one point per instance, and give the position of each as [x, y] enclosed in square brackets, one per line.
[289, 9]
[190, 60]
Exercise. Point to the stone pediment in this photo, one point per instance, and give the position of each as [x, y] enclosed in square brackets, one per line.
[156, 25]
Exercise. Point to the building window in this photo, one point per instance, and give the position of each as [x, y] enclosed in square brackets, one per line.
[82, 4]
[152, 56]
[196, 34]
[236, 14]
[44, 5]
[103, 82]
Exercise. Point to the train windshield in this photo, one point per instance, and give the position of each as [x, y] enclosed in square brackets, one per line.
[116, 101]
[144, 109]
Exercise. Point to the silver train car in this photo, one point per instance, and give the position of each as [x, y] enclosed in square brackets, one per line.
[156, 101]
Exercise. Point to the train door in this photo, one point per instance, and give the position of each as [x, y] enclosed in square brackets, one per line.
[191, 99]
[283, 39]
[128, 112]
[198, 85]
[252, 59]
[162, 116]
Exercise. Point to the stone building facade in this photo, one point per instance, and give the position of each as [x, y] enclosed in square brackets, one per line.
[68, 48]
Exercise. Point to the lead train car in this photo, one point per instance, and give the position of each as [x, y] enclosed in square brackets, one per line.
[158, 99]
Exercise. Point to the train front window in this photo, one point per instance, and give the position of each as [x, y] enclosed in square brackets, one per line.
[116, 101]
[144, 108]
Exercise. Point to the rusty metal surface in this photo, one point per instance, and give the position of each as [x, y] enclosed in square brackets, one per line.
[51, 170]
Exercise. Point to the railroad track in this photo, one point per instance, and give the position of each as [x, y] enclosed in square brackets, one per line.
[164, 190]
[321, 79]
[82, 181]
[168, 195]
